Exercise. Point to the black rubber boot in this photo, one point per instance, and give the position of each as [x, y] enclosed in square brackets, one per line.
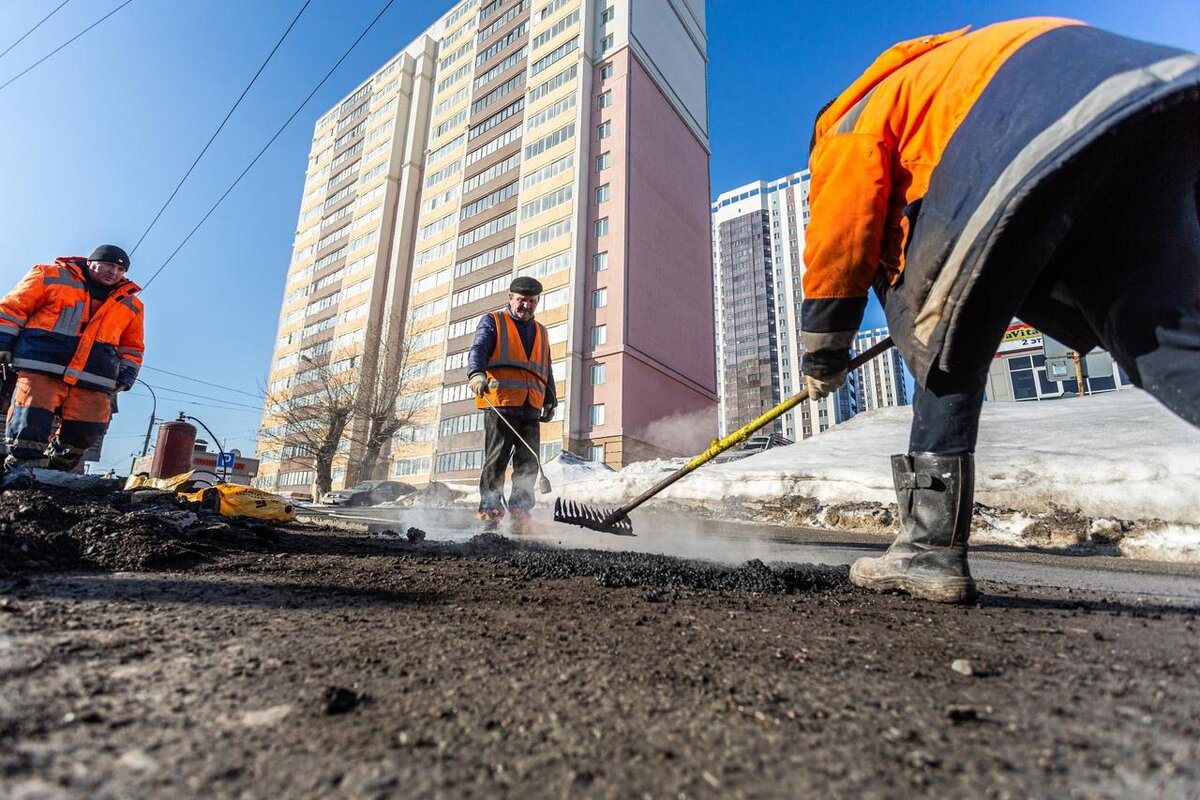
[928, 559]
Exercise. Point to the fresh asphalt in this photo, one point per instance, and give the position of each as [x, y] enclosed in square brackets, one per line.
[1093, 571]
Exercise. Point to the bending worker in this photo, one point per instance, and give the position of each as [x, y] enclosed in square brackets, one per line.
[73, 332]
[509, 369]
[1037, 168]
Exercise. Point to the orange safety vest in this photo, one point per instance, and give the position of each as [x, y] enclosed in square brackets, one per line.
[522, 377]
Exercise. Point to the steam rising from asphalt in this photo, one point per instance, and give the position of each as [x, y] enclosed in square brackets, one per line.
[687, 433]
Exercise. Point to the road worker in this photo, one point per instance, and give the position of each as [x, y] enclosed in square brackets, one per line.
[73, 331]
[1037, 168]
[509, 369]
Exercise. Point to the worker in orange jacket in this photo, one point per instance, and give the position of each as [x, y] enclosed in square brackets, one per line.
[509, 373]
[73, 330]
[1037, 168]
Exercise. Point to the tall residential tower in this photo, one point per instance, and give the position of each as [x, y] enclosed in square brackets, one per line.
[563, 139]
[757, 258]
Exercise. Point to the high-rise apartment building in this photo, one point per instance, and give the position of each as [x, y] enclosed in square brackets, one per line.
[562, 139]
[881, 381]
[757, 258]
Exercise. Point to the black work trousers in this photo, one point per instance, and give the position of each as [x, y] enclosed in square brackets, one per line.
[501, 446]
[1129, 271]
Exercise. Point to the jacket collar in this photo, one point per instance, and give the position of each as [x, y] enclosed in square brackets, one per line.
[888, 62]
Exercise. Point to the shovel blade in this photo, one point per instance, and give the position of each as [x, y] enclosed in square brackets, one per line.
[604, 520]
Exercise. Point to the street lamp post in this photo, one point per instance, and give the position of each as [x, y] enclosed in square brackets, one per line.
[153, 412]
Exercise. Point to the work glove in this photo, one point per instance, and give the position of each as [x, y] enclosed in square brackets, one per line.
[121, 387]
[478, 383]
[547, 412]
[5, 358]
[824, 386]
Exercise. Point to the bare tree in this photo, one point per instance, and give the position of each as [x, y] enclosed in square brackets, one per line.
[381, 410]
[307, 421]
[350, 402]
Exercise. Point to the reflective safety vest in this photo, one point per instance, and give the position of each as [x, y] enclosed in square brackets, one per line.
[48, 323]
[522, 376]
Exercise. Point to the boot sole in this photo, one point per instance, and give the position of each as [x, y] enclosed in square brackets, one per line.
[938, 590]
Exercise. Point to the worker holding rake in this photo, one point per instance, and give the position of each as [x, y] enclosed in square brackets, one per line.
[510, 374]
[1037, 168]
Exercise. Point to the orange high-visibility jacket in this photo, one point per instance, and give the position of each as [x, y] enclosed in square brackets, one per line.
[522, 377]
[949, 134]
[48, 323]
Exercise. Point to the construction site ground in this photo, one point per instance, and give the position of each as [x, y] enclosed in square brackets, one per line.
[321, 662]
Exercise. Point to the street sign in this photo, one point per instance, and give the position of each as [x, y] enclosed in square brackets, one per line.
[225, 460]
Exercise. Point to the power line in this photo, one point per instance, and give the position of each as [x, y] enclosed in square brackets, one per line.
[34, 28]
[230, 403]
[58, 49]
[212, 138]
[206, 383]
[191, 402]
[295, 113]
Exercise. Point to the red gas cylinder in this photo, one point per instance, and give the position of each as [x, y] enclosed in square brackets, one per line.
[173, 449]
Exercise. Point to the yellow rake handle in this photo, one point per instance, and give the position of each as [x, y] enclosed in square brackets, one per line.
[741, 434]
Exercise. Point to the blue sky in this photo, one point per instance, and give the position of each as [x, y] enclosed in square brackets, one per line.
[96, 137]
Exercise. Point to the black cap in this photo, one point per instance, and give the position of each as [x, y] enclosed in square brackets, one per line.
[525, 285]
[110, 253]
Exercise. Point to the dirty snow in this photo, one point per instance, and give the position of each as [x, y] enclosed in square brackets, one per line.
[1119, 465]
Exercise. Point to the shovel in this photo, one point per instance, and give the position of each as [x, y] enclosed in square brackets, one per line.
[616, 520]
[543, 482]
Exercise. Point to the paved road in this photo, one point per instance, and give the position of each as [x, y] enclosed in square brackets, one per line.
[1122, 579]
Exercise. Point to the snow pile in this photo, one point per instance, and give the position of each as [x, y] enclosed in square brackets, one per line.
[1100, 470]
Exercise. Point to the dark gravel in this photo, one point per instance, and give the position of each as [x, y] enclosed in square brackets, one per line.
[334, 664]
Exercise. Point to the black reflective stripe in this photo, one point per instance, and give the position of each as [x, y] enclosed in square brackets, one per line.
[515, 384]
[20, 323]
[129, 351]
[130, 304]
[16, 328]
[850, 119]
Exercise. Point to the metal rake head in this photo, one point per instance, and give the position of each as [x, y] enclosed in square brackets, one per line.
[605, 520]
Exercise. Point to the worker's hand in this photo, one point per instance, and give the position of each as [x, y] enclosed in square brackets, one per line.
[824, 386]
[547, 413]
[5, 358]
[478, 383]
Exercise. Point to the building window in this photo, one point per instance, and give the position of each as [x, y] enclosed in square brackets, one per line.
[604, 100]
[606, 43]
[604, 130]
[608, 15]
[602, 226]
[600, 262]
[596, 414]
[603, 161]
[603, 193]
[599, 372]
[1024, 383]
[599, 335]
[599, 298]
[606, 72]
[596, 452]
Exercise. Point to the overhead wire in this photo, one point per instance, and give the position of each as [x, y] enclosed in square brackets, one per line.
[34, 28]
[59, 49]
[220, 127]
[198, 380]
[167, 390]
[254, 161]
